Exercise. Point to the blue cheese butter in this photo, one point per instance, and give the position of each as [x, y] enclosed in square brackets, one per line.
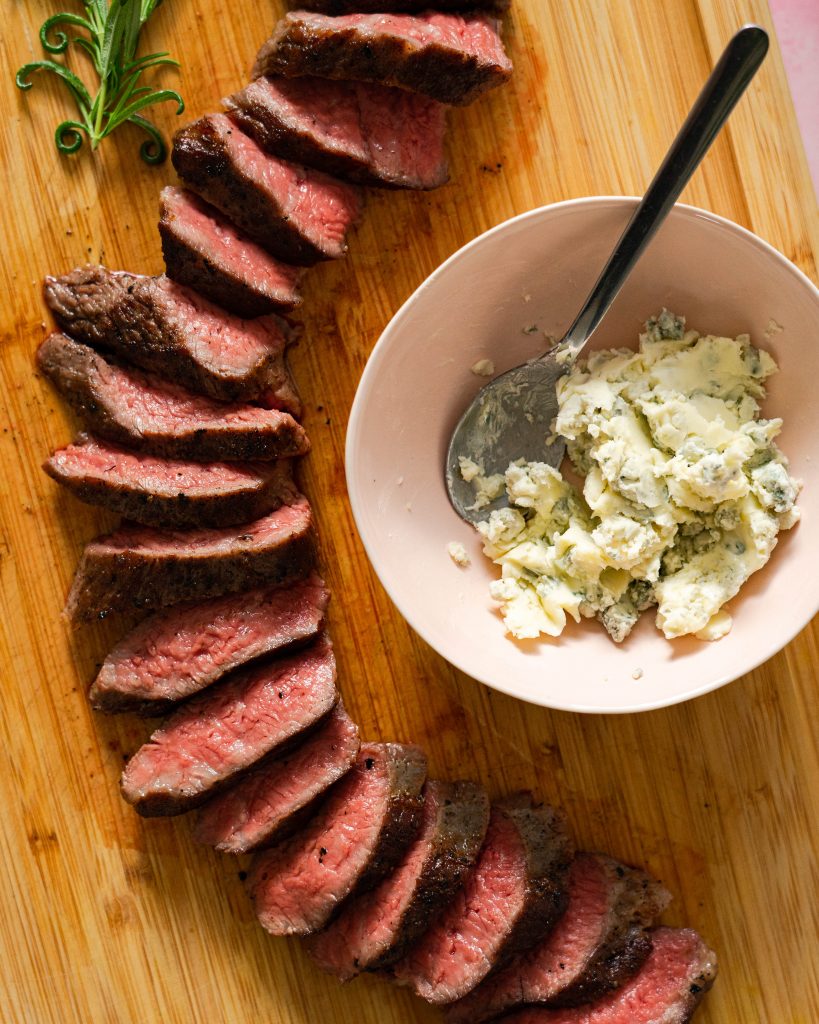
[684, 491]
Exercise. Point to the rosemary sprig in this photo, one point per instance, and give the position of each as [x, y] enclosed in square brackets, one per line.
[111, 44]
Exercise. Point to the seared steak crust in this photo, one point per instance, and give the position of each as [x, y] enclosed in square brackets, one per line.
[549, 853]
[408, 771]
[610, 970]
[627, 943]
[366, 133]
[203, 250]
[444, 56]
[598, 943]
[219, 735]
[356, 838]
[525, 859]
[272, 801]
[163, 327]
[180, 651]
[299, 215]
[170, 493]
[461, 829]
[373, 930]
[142, 567]
[666, 990]
[141, 411]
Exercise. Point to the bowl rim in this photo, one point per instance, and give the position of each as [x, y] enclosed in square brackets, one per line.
[354, 434]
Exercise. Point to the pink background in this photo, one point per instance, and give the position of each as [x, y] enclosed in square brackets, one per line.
[797, 28]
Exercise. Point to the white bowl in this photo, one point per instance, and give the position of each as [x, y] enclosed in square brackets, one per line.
[535, 270]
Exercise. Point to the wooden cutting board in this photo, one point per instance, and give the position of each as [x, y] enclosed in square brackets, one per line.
[109, 918]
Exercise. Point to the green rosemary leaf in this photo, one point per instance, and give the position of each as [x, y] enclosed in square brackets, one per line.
[147, 101]
[132, 23]
[69, 136]
[128, 91]
[148, 8]
[60, 38]
[153, 150]
[75, 84]
[100, 10]
[150, 60]
[111, 42]
[89, 45]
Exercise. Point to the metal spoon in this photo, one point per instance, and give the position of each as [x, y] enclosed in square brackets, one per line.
[511, 416]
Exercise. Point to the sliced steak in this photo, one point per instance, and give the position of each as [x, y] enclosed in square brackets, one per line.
[626, 946]
[596, 945]
[219, 734]
[142, 411]
[510, 900]
[370, 134]
[667, 989]
[375, 929]
[161, 326]
[179, 651]
[397, 6]
[450, 58]
[203, 250]
[169, 492]
[355, 839]
[271, 801]
[299, 215]
[143, 567]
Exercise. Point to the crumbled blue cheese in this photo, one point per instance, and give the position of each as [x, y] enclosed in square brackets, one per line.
[483, 368]
[684, 494]
[487, 488]
[458, 554]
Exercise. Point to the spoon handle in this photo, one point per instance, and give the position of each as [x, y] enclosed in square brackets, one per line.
[727, 82]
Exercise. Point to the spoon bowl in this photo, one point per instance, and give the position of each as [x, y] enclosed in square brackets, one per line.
[510, 418]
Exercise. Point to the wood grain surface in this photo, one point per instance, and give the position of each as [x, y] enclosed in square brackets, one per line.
[109, 918]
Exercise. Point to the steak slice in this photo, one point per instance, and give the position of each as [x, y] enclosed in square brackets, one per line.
[398, 6]
[203, 250]
[219, 734]
[272, 800]
[143, 567]
[299, 215]
[370, 134]
[162, 326]
[172, 493]
[179, 651]
[510, 900]
[667, 989]
[597, 944]
[356, 838]
[627, 944]
[141, 411]
[450, 58]
[375, 929]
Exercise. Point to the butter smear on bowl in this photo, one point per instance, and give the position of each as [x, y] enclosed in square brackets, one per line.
[683, 497]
